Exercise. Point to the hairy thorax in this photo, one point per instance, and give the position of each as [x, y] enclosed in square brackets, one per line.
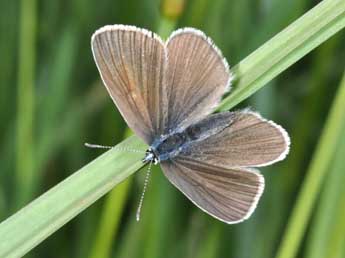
[169, 146]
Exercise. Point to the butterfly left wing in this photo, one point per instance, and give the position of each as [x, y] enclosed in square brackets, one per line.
[132, 65]
[229, 195]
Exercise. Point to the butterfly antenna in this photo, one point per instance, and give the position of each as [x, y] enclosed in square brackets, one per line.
[147, 177]
[96, 146]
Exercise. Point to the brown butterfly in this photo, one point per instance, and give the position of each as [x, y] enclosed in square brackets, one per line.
[166, 92]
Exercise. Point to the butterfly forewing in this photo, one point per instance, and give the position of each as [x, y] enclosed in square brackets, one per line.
[160, 88]
[247, 141]
[197, 77]
[132, 64]
[229, 195]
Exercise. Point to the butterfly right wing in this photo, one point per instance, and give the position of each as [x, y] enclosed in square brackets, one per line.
[237, 139]
[132, 64]
[197, 77]
[229, 195]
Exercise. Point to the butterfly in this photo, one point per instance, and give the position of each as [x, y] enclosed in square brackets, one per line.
[167, 92]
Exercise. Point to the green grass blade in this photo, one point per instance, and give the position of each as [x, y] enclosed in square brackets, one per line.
[8, 45]
[110, 220]
[197, 11]
[318, 168]
[327, 231]
[34, 223]
[286, 48]
[60, 73]
[337, 238]
[132, 237]
[42, 217]
[25, 103]
[210, 244]
[161, 209]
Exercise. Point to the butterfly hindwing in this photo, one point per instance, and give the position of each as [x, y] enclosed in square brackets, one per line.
[238, 139]
[229, 195]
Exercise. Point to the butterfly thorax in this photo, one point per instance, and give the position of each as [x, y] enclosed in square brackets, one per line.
[165, 148]
[169, 146]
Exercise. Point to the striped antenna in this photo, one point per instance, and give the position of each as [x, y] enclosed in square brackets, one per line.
[147, 177]
[96, 146]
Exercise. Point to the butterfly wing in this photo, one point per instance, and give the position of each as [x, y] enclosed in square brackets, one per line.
[132, 63]
[237, 139]
[157, 87]
[197, 77]
[229, 195]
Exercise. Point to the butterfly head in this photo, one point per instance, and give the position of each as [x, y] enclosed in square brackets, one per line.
[150, 156]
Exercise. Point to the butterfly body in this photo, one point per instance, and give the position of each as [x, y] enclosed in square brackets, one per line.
[170, 146]
[166, 92]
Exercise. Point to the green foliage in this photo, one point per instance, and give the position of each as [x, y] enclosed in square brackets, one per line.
[52, 102]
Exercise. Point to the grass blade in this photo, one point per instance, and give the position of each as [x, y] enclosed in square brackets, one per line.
[319, 166]
[286, 48]
[25, 103]
[39, 219]
[110, 220]
[327, 232]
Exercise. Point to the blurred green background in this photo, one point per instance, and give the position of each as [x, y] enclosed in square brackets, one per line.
[52, 101]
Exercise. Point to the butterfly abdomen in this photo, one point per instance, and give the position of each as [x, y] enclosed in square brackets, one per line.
[171, 146]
